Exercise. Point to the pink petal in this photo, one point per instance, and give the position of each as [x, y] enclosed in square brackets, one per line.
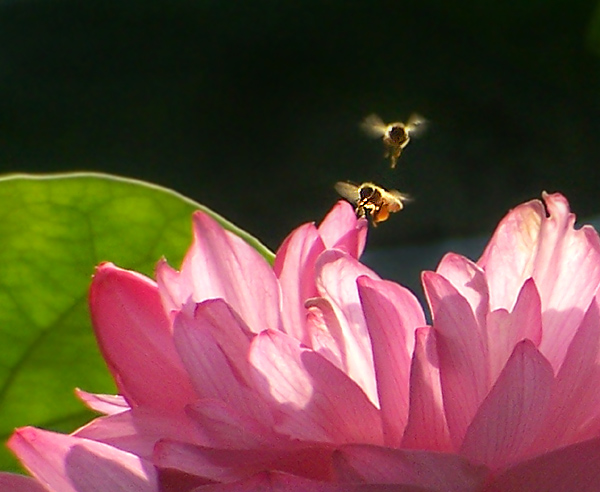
[138, 430]
[462, 354]
[173, 292]
[507, 259]
[295, 268]
[341, 230]
[564, 262]
[228, 428]
[325, 332]
[505, 330]
[279, 482]
[72, 464]
[576, 399]
[392, 314]
[337, 273]
[106, 404]
[227, 465]
[432, 471]
[512, 414]
[316, 401]
[426, 427]
[572, 469]
[135, 338]
[11, 482]
[214, 345]
[469, 280]
[221, 265]
[176, 481]
[590, 429]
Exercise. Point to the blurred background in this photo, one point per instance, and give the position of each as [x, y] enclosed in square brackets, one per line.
[253, 108]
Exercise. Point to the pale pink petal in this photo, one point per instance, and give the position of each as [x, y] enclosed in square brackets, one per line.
[227, 465]
[214, 344]
[341, 229]
[430, 470]
[576, 396]
[295, 268]
[221, 265]
[505, 329]
[137, 431]
[462, 354]
[572, 469]
[72, 464]
[324, 331]
[511, 416]
[337, 273]
[134, 335]
[393, 314]
[563, 261]
[469, 280]
[106, 404]
[426, 427]
[314, 399]
[508, 259]
[11, 482]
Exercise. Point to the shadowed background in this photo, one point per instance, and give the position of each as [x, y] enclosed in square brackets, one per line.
[252, 108]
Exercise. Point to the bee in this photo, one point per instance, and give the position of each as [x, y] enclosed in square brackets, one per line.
[395, 135]
[372, 200]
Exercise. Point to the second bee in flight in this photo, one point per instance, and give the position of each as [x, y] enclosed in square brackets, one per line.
[372, 200]
[395, 135]
[368, 198]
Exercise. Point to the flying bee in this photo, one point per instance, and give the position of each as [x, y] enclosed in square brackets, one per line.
[370, 199]
[395, 135]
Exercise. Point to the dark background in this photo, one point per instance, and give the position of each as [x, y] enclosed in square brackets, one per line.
[252, 107]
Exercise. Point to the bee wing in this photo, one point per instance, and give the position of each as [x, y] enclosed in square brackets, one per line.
[416, 124]
[401, 198]
[374, 126]
[348, 191]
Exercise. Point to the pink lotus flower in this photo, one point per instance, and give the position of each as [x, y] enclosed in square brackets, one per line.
[316, 375]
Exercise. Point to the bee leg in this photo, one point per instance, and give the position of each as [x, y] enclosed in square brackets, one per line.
[395, 156]
[359, 211]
